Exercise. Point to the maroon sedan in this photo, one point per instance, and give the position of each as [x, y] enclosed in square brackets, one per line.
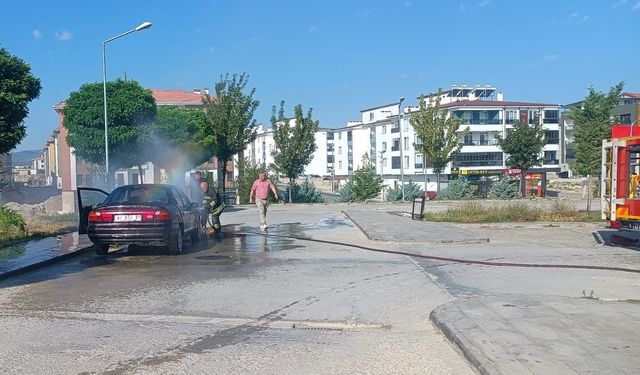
[141, 214]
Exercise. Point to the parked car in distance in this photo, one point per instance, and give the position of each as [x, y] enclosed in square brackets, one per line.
[140, 214]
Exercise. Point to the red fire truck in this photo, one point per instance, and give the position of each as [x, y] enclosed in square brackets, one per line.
[620, 181]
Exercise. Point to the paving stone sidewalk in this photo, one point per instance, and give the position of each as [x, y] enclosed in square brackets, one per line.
[397, 226]
[29, 255]
[543, 334]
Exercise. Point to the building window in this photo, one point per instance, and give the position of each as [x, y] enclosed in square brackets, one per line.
[511, 116]
[406, 144]
[384, 162]
[340, 164]
[406, 160]
[371, 116]
[330, 136]
[396, 145]
[339, 150]
[552, 137]
[624, 119]
[550, 157]
[418, 161]
[418, 140]
[384, 146]
[339, 135]
[395, 162]
[330, 159]
[349, 136]
[384, 129]
[478, 159]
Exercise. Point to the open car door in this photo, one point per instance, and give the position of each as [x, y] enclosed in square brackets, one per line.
[88, 198]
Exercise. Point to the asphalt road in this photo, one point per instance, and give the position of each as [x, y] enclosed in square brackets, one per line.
[245, 303]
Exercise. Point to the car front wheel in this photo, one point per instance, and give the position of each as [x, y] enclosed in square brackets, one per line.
[175, 242]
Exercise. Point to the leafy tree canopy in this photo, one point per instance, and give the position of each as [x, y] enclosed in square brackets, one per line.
[18, 87]
[131, 111]
[592, 123]
[294, 143]
[229, 125]
[523, 145]
[174, 137]
[440, 134]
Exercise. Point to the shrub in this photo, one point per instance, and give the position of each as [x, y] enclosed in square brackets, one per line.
[364, 184]
[304, 193]
[345, 193]
[411, 191]
[11, 223]
[504, 189]
[457, 190]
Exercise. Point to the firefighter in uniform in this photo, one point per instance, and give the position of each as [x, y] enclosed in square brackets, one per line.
[213, 207]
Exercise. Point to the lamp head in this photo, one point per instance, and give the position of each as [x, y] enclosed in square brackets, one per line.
[143, 26]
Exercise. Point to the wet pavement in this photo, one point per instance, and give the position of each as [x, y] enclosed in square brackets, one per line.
[325, 290]
[300, 298]
[30, 255]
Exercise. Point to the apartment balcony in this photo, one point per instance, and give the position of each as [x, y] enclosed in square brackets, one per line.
[395, 130]
[511, 121]
[478, 163]
[418, 166]
[551, 120]
[551, 162]
[480, 142]
[481, 121]
[395, 148]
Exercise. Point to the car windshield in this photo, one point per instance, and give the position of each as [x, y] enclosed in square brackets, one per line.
[138, 194]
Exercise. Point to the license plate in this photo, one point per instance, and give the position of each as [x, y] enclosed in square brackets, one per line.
[126, 218]
[633, 225]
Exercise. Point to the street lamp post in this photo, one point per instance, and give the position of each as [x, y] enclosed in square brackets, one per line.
[401, 147]
[142, 26]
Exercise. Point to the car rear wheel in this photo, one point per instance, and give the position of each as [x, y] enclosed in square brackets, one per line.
[175, 243]
[196, 235]
[102, 249]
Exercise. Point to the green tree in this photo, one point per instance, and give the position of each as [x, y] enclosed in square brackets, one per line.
[174, 137]
[229, 125]
[294, 144]
[591, 124]
[440, 134]
[523, 144]
[504, 189]
[363, 184]
[18, 87]
[305, 193]
[131, 111]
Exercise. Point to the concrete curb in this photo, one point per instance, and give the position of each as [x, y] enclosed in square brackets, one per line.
[478, 360]
[378, 239]
[46, 262]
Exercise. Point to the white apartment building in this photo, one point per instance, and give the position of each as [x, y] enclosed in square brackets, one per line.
[378, 137]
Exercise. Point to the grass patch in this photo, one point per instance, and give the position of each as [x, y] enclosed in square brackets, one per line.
[520, 211]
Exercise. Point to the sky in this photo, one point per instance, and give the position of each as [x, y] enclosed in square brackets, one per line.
[338, 57]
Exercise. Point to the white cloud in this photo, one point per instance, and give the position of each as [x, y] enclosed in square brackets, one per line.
[64, 35]
[574, 15]
[462, 7]
[483, 3]
[579, 17]
[550, 58]
[636, 6]
[586, 19]
[408, 3]
[618, 3]
[37, 34]
[312, 29]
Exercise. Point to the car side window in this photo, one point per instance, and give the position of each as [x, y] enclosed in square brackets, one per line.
[178, 198]
[184, 198]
